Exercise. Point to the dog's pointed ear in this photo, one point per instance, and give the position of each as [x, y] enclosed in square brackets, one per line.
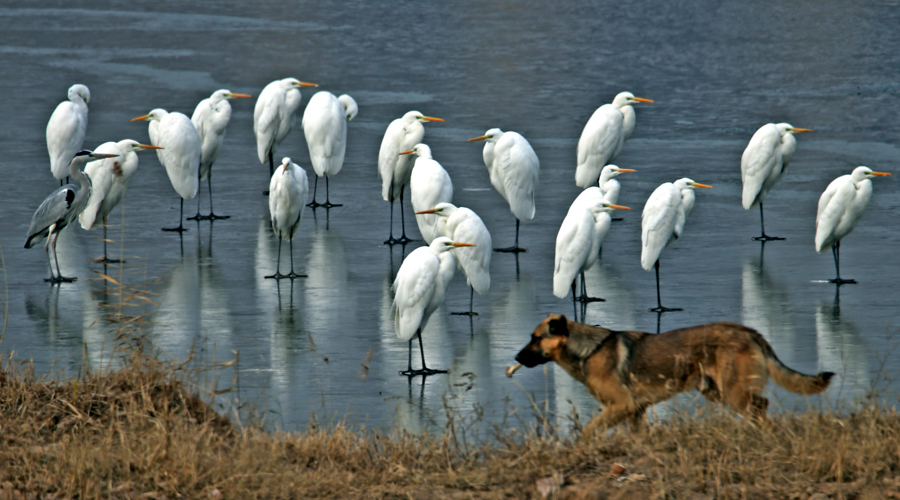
[559, 326]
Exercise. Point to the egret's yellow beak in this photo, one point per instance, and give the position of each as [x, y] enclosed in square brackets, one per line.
[145, 117]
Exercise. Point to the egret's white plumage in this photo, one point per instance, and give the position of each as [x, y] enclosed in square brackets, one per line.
[429, 184]
[840, 208]
[764, 162]
[663, 220]
[325, 128]
[514, 168]
[401, 135]
[287, 198]
[609, 186]
[66, 129]
[274, 115]
[579, 238]
[179, 151]
[210, 119]
[603, 137]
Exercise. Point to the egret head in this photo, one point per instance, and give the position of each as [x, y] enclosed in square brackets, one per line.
[860, 173]
[443, 244]
[627, 99]
[492, 135]
[129, 145]
[79, 91]
[285, 165]
[787, 128]
[157, 115]
[686, 183]
[421, 150]
[350, 107]
[441, 209]
[599, 204]
[417, 116]
[611, 171]
[295, 83]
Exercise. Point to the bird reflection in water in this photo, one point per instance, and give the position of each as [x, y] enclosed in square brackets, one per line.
[766, 307]
[842, 348]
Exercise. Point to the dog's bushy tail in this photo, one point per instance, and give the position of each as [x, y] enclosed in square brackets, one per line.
[788, 378]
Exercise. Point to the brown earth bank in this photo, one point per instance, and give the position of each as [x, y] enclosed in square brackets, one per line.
[142, 432]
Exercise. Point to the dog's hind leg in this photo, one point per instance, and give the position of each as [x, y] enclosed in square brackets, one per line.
[636, 420]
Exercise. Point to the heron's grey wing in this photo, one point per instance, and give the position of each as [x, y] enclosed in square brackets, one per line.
[52, 210]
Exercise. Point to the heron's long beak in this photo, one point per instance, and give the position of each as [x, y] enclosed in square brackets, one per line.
[411, 151]
[434, 211]
[626, 170]
[618, 207]
[463, 244]
[98, 156]
[145, 117]
[147, 146]
[698, 185]
[798, 130]
[880, 173]
[479, 138]
[641, 99]
[431, 119]
[239, 95]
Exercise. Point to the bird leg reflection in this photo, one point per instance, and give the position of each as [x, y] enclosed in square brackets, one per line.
[764, 237]
[424, 371]
[836, 251]
[515, 248]
[659, 307]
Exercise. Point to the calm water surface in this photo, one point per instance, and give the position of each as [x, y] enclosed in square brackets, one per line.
[717, 71]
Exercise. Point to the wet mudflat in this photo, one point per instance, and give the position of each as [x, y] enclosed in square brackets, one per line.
[538, 68]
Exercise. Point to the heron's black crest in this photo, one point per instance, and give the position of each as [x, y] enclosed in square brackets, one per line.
[70, 197]
[84, 152]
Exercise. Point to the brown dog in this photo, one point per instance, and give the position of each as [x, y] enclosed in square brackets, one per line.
[629, 371]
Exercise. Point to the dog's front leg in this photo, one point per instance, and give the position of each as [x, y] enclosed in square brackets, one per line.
[611, 416]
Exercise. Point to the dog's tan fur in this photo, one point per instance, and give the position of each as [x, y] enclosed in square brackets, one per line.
[629, 371]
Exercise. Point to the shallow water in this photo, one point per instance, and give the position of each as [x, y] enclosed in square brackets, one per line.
[716, 71]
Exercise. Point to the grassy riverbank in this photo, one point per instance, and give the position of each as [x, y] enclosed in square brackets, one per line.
[139, 432]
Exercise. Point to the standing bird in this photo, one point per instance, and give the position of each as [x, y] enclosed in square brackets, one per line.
[60, 208]
[274, 115]
[401, 135]
[179, 152]
[578, 241]
[514, 168]
[66, 129]
[210, 118]
[603, 137]
[325, 127]
[764, 162]
[419, 290]
[287, 197]
[663, 221]
[840, 207]
[609, 186]
[429, 184]
[463, 225]
[109, 180]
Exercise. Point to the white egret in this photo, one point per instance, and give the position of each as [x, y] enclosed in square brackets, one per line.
[274, 115]
[578, 241]
[603, 137]
[401, 135]
[66, 129]
[514, 168]
[179, 153]
[325, 127]
[60, 208]
[763, 163]
[609, 186]
[287, 198]
[663, 221]
[419, 290]
[210, 118]
[465, 226]
[840, 207]
[429, 184]
[109, 180]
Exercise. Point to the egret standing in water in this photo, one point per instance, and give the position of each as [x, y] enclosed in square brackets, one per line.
[66, 129]
[60, 208]
[514, 168]
[662, 222]
[419, 289]
[763, 163]
[429, 184]
[325, 127]
[401, 135]
[840, 207]
[179, 152]
[274, 116]
[465, 226]
[109, 181]
[210, 118]
[603, 137]
[287, 197]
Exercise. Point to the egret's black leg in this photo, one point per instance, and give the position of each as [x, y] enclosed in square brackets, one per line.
[315, 187]
[403, 239]
[328, 203]
[212, 215]
[180, 228]
[199, 192]
[471, 302]
[836, 251]
[271, 170]
[659, 307]
[584, 296]
[278, 274]
[515, 248]
[293, 274]
[391, 240]
[762, 225]
[105, 259]
[424, 370]
[574, 301]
